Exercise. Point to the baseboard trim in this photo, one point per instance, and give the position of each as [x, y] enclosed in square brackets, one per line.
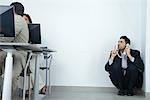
[92, 89]
[83, 88]
[147, 95]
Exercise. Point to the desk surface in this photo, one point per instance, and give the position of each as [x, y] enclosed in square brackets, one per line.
[20, 46]
[23, 46]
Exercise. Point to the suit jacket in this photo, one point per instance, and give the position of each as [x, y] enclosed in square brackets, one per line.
[137, 62]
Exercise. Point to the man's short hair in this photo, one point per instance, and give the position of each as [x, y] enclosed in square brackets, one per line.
[127, 40]
[18, 8]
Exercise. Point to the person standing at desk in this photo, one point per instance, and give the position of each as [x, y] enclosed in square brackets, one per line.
[42, 86]
[22, 36]
[28, 20]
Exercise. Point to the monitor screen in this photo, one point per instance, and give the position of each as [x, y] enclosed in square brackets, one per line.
[34, 33]
[7, 26]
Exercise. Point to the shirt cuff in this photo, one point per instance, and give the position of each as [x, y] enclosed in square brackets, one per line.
[110, 61]
[132, 59]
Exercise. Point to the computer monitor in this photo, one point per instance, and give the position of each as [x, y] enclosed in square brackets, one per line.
[7, 26]
[34, 33]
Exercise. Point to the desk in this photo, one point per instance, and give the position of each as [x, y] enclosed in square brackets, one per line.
[9, 48]
[45, 52]
[47, 56]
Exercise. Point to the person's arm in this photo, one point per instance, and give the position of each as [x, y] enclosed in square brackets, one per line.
[111, 60]
[138, 61]
[21, 30]
[135, 58]
[107, 67]
[25, 32]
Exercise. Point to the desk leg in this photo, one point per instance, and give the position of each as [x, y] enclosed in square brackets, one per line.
[36, 80]
[46, 70]
[25, 72]
[8, 77]
[49, 89]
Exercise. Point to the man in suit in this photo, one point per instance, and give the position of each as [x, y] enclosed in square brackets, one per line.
[125, 67]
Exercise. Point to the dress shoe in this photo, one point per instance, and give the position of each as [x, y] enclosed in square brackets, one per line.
[130, 93]
[121, 92]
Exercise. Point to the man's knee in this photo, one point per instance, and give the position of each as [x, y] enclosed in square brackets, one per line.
[132, 69]
[115, 70]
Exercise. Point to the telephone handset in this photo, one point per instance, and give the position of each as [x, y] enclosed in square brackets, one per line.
[127, 46]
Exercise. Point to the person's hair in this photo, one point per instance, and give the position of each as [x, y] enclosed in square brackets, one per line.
[127, 40]
[29, 18]
[18, 8]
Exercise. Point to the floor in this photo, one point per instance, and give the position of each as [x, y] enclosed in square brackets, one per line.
[86, 93]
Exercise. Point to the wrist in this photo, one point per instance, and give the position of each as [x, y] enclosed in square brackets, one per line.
[112, 58]
[130, 57]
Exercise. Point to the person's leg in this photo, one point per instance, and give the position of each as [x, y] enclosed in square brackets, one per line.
[21, 76]
[116, 77]
[42, 75]
[32, 67]
[131, 78]
[20, 59]
[21, 83]
[3, 55]
[2, 63]
[19, 64]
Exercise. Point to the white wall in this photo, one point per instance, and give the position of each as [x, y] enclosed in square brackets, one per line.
[83, 32]
[147, 53]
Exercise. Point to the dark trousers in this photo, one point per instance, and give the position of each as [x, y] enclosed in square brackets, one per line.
[121, 81]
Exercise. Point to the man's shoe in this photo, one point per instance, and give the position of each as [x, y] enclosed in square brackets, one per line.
[43, 90]
[121, 92]
[130, 93]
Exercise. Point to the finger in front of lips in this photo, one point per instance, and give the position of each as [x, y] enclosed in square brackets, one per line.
[114, 52]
